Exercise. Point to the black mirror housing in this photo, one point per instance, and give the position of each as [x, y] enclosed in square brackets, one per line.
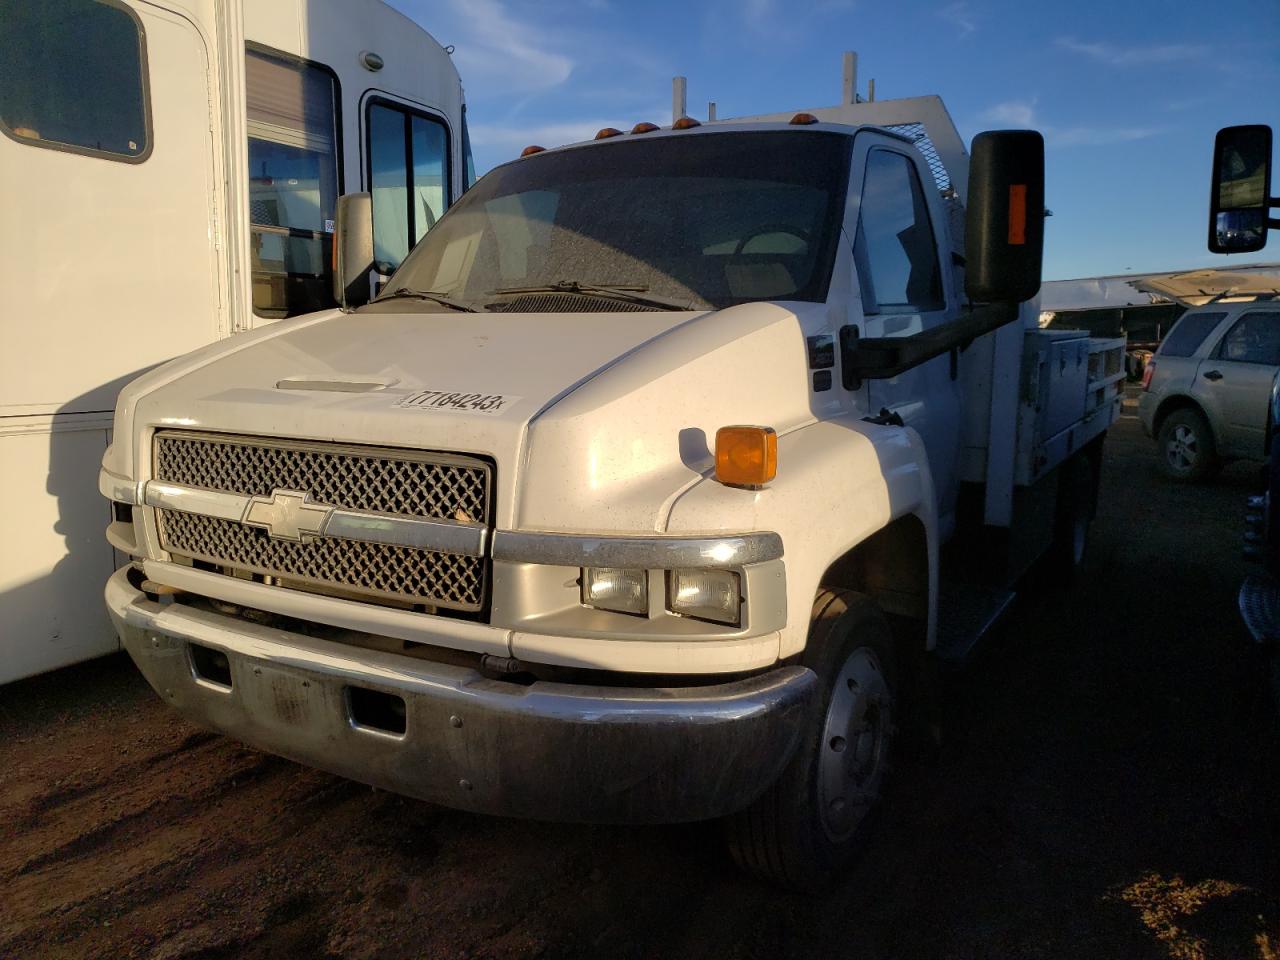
[1239, 193]
[1004, 218]
[352, 250]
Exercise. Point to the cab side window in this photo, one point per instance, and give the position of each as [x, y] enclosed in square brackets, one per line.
[293, 182]
[1255, 338]
[897, 256]
[73, 77]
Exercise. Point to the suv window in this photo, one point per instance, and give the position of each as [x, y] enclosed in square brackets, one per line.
[1189, 332]
[408, 176]
[1255, 338]
[73, 77]
[895, 249]
[293, 181]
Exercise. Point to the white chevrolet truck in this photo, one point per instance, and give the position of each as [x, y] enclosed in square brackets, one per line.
[643, 491]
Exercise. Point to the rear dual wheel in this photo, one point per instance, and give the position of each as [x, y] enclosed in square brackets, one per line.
[818, 814]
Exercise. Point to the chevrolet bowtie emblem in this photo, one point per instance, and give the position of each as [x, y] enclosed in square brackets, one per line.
[288, 515]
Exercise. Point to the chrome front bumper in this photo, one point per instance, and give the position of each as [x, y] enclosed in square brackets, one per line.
[549, 751]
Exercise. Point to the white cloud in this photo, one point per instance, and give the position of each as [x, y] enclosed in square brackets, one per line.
[1097, 136]
[1128, 56]
[960, 16]
[1023, 113]
[495, 50]
[1013, 113]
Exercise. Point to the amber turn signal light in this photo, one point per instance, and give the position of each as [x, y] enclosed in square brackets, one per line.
[746, 456]
[804, 119]
[531, 149]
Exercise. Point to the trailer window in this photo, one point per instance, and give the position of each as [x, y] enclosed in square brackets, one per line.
[1255, 338]
[292, 114]
[73, 77]
[1185, 338]
[408, 177]
[895, 248]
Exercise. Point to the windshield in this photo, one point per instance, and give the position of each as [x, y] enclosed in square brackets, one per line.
[705, 220]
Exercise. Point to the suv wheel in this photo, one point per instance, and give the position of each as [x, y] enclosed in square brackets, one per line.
[1187, 450]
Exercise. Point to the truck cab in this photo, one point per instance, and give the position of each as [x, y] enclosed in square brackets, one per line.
[626, 499]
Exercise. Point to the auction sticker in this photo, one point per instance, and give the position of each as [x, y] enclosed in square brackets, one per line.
[486, 403]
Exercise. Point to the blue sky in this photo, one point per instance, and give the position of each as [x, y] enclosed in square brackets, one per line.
[1128, 95]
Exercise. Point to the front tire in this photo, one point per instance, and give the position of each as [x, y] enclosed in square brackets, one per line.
[1188, 453]
[817, 816]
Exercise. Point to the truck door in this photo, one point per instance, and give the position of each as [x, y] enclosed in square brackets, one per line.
[904, 290]
[1234, 382]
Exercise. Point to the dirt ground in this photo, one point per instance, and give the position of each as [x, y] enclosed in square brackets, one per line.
[1107, 789]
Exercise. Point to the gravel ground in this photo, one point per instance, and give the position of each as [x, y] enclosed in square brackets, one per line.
[1106, 788]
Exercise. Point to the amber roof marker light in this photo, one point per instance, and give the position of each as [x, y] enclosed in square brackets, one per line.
[685, 123]
[531, 150]
[606, 132]
[645, 127]
[803, 119]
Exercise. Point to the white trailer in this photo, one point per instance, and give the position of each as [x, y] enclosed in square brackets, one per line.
[136, 226]
[666, 462]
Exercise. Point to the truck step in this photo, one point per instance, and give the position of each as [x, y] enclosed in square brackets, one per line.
[965, 614]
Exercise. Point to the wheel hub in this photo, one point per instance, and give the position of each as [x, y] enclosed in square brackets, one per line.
[854, 747]
[1182, 448]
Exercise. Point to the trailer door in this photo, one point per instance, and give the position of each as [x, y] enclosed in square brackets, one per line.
[108, 256]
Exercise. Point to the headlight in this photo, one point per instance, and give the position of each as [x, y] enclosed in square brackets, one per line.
[714, 595]
[612, 588]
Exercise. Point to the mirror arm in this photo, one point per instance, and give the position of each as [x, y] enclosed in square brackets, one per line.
[879, 358]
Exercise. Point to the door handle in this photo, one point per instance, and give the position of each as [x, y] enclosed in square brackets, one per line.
[1212, 375]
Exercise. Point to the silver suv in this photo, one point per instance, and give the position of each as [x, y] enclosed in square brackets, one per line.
[1206, 391]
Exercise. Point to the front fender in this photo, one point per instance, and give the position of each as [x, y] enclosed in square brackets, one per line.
[839, 481]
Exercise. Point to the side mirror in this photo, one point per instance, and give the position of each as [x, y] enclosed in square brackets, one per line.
[352, 250]
[1004, 220]
[1239, 194]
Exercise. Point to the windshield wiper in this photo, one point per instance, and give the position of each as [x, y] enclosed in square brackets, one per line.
[617, 291]
[440, 298]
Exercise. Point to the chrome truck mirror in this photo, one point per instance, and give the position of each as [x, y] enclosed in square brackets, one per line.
[352, 250]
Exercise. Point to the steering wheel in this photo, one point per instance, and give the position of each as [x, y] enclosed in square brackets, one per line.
[768, 228]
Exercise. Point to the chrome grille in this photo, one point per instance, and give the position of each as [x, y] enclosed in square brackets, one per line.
[375, 479]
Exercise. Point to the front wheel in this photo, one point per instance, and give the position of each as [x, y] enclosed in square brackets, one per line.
[818, 814]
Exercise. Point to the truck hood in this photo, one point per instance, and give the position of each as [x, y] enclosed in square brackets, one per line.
[468, 383]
